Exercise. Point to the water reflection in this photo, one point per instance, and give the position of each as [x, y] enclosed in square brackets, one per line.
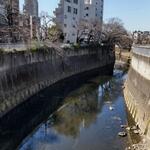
[79, 110]
[58, 118]
[84, 121]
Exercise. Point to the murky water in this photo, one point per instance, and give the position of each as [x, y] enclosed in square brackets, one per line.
[88, 119]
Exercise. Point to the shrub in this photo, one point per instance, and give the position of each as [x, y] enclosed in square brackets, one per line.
[1, 50]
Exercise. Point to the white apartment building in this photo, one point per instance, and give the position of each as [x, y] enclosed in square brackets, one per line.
[71, 12]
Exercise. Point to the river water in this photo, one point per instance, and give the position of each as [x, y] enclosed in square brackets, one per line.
[89, 118]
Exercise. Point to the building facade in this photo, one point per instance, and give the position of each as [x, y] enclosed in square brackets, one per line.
[9, 21]
[70, 13]
[17, 27]
[31, 7]
[31, 10]
[3, 13]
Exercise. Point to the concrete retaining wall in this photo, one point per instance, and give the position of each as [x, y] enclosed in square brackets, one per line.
[137, 89]
[22, 74]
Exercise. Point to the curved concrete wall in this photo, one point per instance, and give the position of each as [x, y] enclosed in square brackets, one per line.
[22, 74]
[137, 89]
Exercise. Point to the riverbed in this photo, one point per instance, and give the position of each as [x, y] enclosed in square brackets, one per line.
[72, 115]
[89, 118]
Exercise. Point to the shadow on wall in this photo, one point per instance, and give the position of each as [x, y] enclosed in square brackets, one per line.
[22, 120]
[23, 74]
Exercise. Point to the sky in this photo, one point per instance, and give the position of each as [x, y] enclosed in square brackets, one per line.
[135, 14]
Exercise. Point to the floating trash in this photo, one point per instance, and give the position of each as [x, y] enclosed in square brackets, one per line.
[122, 134]
[111, 108]
[123, 126]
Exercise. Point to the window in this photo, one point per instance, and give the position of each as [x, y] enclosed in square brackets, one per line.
[75, 1]
[65, 16]
[69, 9]
[86, 8]
[65, 25]
[75, 11]
[87, 15]
[68, 1]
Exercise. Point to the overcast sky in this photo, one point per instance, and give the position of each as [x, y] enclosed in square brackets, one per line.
[134, 13]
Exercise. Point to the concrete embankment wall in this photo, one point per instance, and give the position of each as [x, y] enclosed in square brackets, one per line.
[137, 88]
[23, 74]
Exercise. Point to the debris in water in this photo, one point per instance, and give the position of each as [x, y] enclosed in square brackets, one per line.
[123, 87]
[136, 131]
[134, 128]
[124, 126]
[111, 108]
[128, 128]
[128, 148]
[122, 134]
[116, 118]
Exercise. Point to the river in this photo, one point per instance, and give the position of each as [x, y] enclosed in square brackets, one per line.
[87, 117]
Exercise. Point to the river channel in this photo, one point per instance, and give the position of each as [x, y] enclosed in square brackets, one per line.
[87, 117]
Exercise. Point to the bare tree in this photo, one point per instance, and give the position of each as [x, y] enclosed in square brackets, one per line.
[126, 42]
[89, 31]
[46, 21]
[16, 27]
[13, 19]
[55, 33]
[141, 37]
[94, 32]
[114, 32]
[49, 29]
[80, 27]
[8, 20]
